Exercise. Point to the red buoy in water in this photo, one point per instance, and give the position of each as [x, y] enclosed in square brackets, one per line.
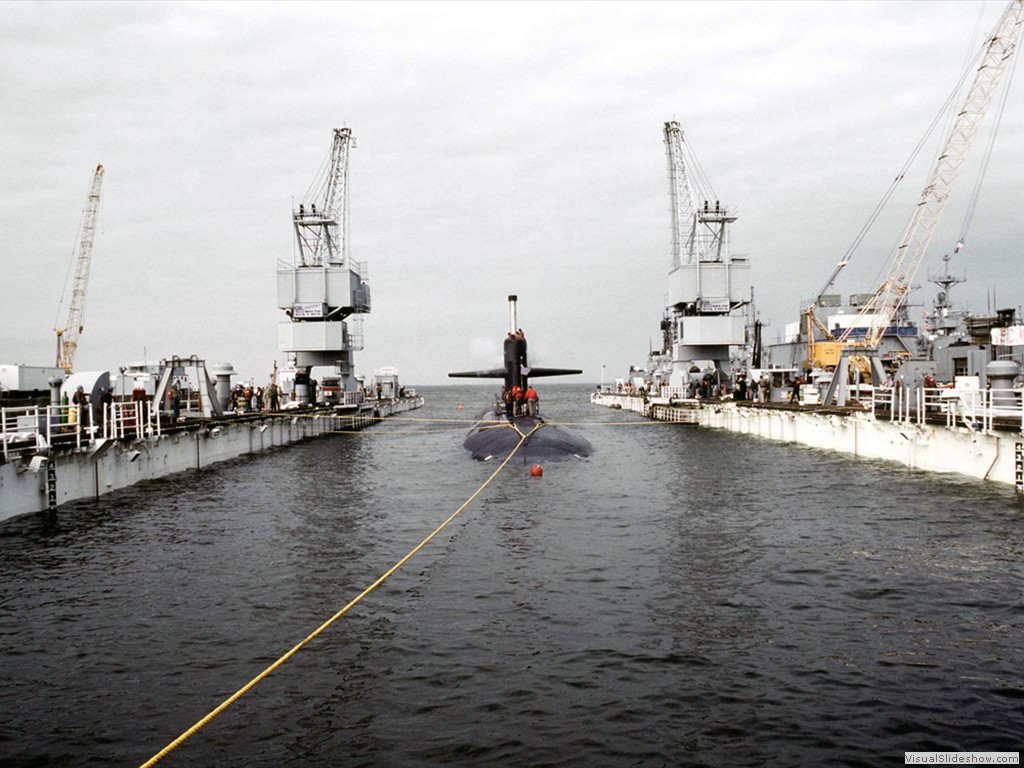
[536, 471]
[460, 406]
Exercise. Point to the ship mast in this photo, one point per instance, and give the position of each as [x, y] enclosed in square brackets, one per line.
[945, 321]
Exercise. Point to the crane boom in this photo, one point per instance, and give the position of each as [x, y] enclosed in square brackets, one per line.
[684, 212]
[67, 337]
[322, 235]
[698, 233]
[880, 312]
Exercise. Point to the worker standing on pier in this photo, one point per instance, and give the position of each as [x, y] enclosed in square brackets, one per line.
[175, 397]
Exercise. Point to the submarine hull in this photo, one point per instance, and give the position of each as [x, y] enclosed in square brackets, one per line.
[494, 437]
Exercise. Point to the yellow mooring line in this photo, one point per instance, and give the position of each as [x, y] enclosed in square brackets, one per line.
[309, 638]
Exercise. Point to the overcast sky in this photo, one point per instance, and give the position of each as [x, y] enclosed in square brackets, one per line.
[501, 148]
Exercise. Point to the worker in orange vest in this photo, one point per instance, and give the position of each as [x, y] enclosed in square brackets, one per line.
[517, 398]
[531, 401]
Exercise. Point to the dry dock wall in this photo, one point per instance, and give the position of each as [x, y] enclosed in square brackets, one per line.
[984, 455]
[111, 465]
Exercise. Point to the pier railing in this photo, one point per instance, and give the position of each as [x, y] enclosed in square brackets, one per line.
[675, 415]
[19, 430]
[975, 409]
[35, 429]
[351, 398]
[132, 419]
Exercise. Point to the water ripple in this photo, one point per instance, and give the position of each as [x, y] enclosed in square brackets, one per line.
[683, 597]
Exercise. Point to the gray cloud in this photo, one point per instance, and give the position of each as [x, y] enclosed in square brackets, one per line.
[502, 148]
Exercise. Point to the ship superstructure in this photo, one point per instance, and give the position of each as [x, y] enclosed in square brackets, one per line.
[324, 285]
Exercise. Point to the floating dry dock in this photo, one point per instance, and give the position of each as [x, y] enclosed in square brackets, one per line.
[970, 432]
[50, 457]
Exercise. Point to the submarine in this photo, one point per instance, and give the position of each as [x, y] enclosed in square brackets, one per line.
[499, 429]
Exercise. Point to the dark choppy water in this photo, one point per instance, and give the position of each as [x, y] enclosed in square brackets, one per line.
[684, 597]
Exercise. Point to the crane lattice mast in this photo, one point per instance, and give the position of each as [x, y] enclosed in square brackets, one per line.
[698, 233]
[321, 222]
[67, 337]
[881, 310]
[683, 208]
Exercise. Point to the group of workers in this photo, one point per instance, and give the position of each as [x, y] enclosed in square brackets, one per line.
[246, 398]
[519, 402]
[80, 407]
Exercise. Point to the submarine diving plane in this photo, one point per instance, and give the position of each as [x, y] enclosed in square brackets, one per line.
[499, 429]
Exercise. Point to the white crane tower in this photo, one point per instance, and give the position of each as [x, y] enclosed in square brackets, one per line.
[880, 312]
[324, 285]
[705, 280]
[67, 337]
